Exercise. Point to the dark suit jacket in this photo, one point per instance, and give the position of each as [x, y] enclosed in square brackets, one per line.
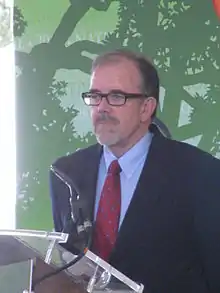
[170, 237]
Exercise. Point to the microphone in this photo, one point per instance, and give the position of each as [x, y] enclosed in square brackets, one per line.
[79, 207]
[68, 182]
[157, 126]
[80, 236]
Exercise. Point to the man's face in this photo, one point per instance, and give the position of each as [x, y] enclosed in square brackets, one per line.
[118, 125]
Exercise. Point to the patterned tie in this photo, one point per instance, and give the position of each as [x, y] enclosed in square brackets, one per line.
[107, 220]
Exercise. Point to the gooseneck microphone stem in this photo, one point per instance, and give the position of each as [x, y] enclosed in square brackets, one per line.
[55, 171]
[83, 225]
[59, 174]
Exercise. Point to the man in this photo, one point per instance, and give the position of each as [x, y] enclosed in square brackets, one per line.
[155, 202]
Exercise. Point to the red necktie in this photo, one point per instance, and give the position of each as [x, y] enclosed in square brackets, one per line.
[107, 220]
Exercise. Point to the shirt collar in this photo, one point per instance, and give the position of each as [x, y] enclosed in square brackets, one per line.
[131, 159]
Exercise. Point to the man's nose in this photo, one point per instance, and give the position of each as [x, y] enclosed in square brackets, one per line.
[104, 106]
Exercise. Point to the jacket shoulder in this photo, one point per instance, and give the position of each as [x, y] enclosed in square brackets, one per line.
[190, 155]
[65, 163]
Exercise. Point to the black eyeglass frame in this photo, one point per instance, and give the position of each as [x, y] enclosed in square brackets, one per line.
[125, 97]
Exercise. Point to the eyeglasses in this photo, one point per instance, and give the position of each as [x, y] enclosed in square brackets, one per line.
[113, 99]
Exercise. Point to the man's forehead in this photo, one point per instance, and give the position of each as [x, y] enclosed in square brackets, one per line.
[120, 73]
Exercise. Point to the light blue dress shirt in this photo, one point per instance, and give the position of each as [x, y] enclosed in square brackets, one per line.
[131, 164]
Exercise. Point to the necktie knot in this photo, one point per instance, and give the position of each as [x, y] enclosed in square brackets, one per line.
[114, 168]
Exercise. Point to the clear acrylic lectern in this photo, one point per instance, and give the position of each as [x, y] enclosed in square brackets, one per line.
[26, 256]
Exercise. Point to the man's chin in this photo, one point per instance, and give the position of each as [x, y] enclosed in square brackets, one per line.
[106, 141]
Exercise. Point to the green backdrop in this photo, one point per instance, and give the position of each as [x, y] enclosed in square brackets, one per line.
[55, 44]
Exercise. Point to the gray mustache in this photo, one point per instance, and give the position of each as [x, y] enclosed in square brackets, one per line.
[103, 117]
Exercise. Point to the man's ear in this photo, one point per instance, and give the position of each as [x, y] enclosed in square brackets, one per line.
[148, 108]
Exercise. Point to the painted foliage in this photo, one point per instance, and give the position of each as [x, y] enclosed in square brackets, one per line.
[55, 45]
